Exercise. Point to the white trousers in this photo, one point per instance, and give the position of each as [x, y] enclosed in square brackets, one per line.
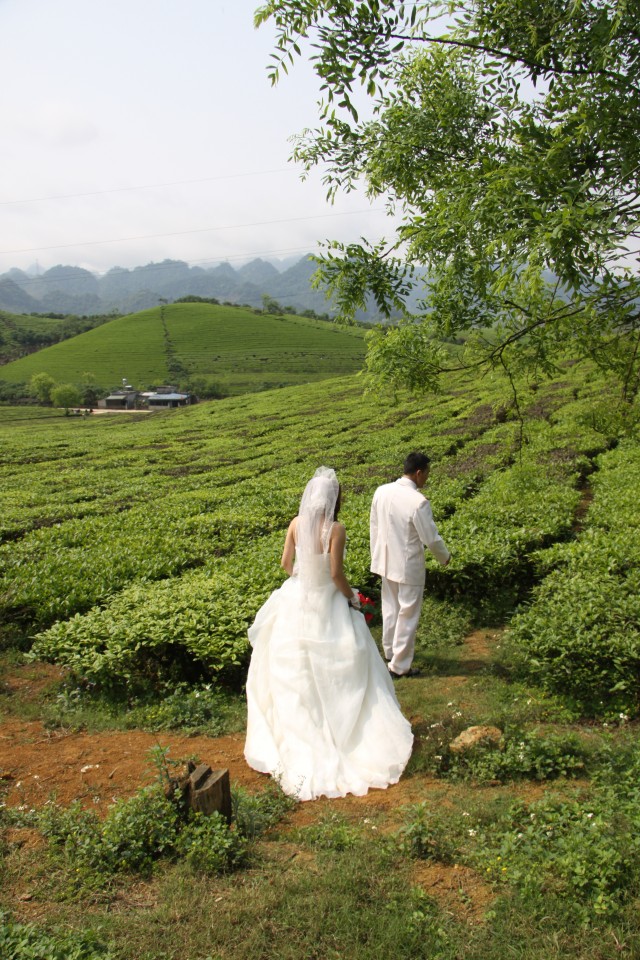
[401, 605]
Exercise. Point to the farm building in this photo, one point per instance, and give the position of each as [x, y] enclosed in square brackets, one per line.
[120, 400]
[167, 397]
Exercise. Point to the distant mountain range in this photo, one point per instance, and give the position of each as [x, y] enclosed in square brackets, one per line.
[73, 290]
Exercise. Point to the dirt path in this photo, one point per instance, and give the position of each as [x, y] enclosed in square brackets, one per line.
[97, 769]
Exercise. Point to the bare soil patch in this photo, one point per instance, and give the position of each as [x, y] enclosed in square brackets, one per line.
[459, 890]
[99, 768]
[31, 680]
[478, 646]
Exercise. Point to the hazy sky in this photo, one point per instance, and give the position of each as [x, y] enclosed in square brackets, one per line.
[139, 130]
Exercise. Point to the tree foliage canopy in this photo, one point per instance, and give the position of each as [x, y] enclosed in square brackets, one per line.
[505, 138]
[40, 386]
[66, 395]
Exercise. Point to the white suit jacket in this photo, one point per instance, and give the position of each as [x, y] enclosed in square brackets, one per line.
[401, 526]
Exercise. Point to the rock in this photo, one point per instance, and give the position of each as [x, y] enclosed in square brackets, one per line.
[472, 736]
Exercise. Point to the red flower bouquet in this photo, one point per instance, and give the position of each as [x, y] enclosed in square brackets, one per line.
[367, 606]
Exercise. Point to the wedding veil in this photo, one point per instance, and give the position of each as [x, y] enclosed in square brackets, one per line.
[316, 514]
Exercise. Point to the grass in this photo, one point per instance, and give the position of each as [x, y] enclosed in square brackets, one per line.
[12, 415]
[236, 348]
[402, 876]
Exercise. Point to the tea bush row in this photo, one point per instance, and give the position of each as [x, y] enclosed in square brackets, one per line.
[128, 607]
[155, 633]
[161, 621]
[580, 636]
[56, 572]
[150, 631]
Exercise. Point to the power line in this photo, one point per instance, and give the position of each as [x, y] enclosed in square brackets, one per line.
[143, 186]
[182, 233]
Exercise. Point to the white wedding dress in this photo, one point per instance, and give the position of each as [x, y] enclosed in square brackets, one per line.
[323, 717]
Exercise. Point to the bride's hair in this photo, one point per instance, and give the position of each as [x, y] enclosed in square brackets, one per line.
[338, 503]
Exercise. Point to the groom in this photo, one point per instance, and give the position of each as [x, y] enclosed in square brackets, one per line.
[401, 526]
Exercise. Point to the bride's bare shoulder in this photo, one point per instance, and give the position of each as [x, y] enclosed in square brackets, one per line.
[338, 531]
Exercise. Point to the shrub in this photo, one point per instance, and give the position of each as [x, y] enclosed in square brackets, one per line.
[135, 832]
[138, 831]
[25, 941]
[147, 827]
[209, 846]
[520, 755]
[425, 837]
[255, 813]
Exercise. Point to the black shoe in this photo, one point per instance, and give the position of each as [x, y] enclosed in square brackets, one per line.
[413, 672]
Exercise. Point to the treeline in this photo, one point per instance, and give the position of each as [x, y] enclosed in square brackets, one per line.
[269, 305]
[19, 339]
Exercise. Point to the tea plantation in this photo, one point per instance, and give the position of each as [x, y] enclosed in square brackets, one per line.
[135, 552]
[136, 547]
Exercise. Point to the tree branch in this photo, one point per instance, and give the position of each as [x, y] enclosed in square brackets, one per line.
[513, 57]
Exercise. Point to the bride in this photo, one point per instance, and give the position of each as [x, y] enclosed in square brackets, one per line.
[322, 711]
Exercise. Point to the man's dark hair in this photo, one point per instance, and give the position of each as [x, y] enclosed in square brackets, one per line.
[415, 461]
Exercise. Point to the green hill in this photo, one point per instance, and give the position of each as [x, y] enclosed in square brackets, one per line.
[233, 347]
